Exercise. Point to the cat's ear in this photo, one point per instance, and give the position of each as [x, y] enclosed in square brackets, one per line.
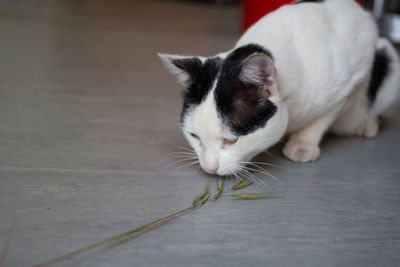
[183, 67]
[259, 70]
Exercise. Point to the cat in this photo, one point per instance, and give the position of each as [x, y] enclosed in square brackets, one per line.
[305, 69]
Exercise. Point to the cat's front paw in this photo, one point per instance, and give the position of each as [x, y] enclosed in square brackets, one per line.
[369, 129]
[301, 152]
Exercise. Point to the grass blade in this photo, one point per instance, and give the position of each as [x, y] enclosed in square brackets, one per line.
[146, 227]
[241, 184]
[197, 202]
[220, 189]
[205, 199]
[256, 196]
[205, 191]
[198, 199]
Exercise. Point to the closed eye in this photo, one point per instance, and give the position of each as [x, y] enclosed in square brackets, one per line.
[195, 136]
[228, 142]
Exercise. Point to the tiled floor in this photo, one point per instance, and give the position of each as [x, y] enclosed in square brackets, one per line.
[88, 116]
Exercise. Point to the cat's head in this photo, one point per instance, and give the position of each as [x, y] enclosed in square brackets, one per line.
[232, 110]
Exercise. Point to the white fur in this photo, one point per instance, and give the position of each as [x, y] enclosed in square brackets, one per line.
[321, 52]
[323, 55]
[213, 156]
[358, 117]
[389, 93]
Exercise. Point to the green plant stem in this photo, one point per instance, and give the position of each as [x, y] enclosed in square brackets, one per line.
[220, 189]
[256, 196]
[197, 202]
[147, 227]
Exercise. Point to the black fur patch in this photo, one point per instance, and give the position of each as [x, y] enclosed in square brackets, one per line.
[202, 76]
[380, 70]
[238, 104]
[308, 1]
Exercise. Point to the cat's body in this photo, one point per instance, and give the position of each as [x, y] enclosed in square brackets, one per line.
[316, 54]
[302, 70]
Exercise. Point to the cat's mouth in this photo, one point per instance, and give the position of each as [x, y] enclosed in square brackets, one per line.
[219, 171]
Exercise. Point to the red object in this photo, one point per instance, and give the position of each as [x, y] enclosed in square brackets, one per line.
[253, 10]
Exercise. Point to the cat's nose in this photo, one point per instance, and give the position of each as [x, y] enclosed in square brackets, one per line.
[212, 169]
[210, 161]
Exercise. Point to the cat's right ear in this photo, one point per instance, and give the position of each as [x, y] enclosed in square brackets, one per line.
[183, 67]
[259, 70]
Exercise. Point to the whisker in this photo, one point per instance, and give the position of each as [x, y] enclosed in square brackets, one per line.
[249, 178]
[173, 155]
[246, 169]
[185, 166]
[260, 170]
[176, 159]
[182, 156]
[263, 171]
[178, 154]
[262, 163]
[236, 176]
[183, 160]
[277, 181]
[246, 175]
[186, 148]
[186, 153]
[256, 178]
[182, 152]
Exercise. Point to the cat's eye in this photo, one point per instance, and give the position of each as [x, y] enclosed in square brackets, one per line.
[195, 136]
[228, 142]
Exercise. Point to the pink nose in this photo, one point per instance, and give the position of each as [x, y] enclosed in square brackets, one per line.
[212, 169]
[210, 163]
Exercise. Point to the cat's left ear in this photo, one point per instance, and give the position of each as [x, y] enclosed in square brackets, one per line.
[184, 67]
[259, 70]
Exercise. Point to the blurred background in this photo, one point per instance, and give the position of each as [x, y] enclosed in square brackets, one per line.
[89, 122]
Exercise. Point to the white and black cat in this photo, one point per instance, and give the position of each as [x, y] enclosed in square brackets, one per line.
[305, 69]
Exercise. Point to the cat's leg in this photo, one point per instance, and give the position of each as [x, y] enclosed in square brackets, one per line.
[375, 96]
[354, 118]
[369, 128]
[303, 145]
